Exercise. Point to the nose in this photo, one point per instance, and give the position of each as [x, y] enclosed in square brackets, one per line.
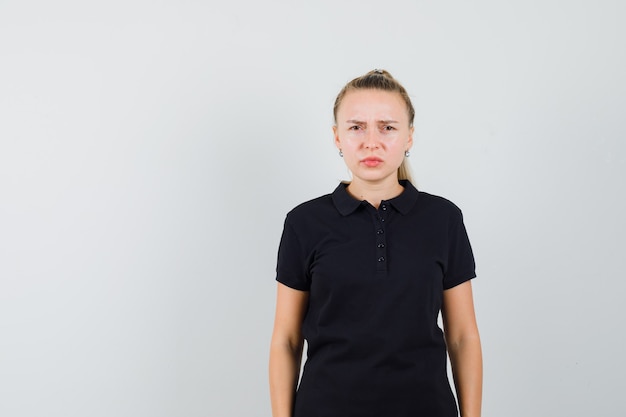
[371, 139]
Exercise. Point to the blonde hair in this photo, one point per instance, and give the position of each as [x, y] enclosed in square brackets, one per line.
[380, 80]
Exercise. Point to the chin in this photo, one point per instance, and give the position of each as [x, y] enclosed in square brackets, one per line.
[372, 176]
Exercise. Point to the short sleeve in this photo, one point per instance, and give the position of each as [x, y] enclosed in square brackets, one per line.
[460, 266]
[291, 268]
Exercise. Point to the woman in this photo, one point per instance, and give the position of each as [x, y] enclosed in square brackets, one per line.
[363, 274]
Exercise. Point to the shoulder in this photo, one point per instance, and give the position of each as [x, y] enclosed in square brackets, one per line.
[421, 203]
[437, 203]
[438, 210]
[310, 208]
[312, 205]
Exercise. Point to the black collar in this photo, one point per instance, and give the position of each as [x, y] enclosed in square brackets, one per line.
[346, 204]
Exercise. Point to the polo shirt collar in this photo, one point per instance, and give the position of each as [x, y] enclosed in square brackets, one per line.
[346, 204]
[405, 201]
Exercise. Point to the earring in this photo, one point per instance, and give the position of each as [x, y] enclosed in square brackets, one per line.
[407, 153]
[340, 153]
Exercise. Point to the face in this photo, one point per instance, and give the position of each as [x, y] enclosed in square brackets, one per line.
[373, 133]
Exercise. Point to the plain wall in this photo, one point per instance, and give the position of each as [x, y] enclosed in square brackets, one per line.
[149, 152]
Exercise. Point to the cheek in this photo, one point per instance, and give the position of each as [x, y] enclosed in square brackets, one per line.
[350, 144]
[351, 138]
[394, 142]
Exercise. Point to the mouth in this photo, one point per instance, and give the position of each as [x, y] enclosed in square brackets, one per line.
[371, 161]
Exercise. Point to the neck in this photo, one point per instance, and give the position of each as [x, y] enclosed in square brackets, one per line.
[374, 193]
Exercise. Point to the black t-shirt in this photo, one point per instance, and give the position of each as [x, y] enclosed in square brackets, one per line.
[375, 280]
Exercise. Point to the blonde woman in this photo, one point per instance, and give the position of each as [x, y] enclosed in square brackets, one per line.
[362, 275]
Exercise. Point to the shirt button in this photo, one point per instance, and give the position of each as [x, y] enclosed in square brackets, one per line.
[381, 245]
[381, 259]
[380, 231]
[384, 207]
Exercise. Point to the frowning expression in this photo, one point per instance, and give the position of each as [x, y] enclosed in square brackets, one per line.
[373, 133]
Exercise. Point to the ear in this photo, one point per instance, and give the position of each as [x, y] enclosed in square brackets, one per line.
[409, 142]
[336, 135]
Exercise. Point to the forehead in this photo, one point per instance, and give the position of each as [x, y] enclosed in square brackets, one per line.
[372, 103]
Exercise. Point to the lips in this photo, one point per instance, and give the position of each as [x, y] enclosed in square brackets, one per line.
[371, 161]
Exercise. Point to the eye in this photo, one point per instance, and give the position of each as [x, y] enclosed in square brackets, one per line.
[388, 128]
[354, 127]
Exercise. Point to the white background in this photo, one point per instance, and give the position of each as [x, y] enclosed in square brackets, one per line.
[149, 151]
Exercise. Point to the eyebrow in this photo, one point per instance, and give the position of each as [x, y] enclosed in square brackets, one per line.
[359, 122]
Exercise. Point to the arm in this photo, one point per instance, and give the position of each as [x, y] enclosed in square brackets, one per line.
[286, 349]
[463, 342]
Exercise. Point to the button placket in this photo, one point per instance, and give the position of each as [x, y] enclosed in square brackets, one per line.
[381, 241]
